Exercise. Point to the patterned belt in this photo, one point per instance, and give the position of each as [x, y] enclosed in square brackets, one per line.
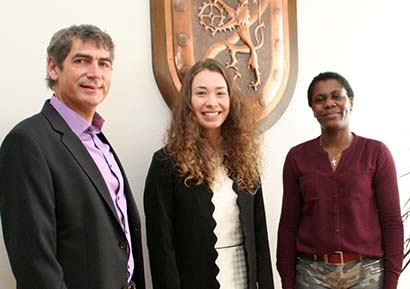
[229, 246]
[337, 257]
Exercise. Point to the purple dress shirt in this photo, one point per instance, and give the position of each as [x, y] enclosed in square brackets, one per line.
[105, 161]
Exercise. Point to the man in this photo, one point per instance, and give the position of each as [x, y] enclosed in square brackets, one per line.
[69, 218]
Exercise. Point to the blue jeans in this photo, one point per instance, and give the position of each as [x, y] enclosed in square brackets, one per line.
[365, 274]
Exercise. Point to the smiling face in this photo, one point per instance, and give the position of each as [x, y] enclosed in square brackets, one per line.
[331, 105]
[84, 79]
[210, 101]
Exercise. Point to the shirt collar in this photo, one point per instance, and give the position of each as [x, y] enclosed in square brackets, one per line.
[76, 123]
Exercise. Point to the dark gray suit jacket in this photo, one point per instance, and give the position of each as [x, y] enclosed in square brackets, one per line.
[180, 233]
[59, 223]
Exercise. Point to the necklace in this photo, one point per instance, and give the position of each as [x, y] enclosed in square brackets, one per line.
[333, 159]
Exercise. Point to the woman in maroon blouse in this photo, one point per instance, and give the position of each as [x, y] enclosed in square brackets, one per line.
[340, 225]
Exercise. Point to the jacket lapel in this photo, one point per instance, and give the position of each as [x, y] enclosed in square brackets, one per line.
[133, 216]
[245, 203]
[79, 153]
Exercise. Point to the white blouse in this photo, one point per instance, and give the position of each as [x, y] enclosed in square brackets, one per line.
[229, 245]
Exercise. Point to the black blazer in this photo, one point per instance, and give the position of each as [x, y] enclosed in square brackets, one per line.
[180, 233]
[60, 227]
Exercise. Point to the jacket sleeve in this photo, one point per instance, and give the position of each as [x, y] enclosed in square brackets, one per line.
[387, 198]
[159, 213]
[27, 207]
[264, 264]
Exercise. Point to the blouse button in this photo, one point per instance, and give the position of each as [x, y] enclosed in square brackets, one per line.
[123, 245]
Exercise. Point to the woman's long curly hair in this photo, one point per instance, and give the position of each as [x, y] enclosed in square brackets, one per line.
[240, 138]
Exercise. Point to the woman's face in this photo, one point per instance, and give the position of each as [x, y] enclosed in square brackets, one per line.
[330, 104]
[210, 100]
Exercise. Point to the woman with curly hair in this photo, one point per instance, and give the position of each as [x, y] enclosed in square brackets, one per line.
[205, 216]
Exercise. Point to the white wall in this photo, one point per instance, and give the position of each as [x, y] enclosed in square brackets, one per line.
[366, 41]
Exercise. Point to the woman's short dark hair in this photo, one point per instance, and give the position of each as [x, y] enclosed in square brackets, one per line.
[326, 76]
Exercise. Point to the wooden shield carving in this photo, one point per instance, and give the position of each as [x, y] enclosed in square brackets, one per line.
[255, 39]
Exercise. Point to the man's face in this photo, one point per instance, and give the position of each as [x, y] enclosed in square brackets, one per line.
[84, 80]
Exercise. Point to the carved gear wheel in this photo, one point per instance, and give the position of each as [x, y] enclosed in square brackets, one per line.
[211, 15]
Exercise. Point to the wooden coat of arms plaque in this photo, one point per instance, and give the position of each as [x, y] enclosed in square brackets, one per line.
[255, 39]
